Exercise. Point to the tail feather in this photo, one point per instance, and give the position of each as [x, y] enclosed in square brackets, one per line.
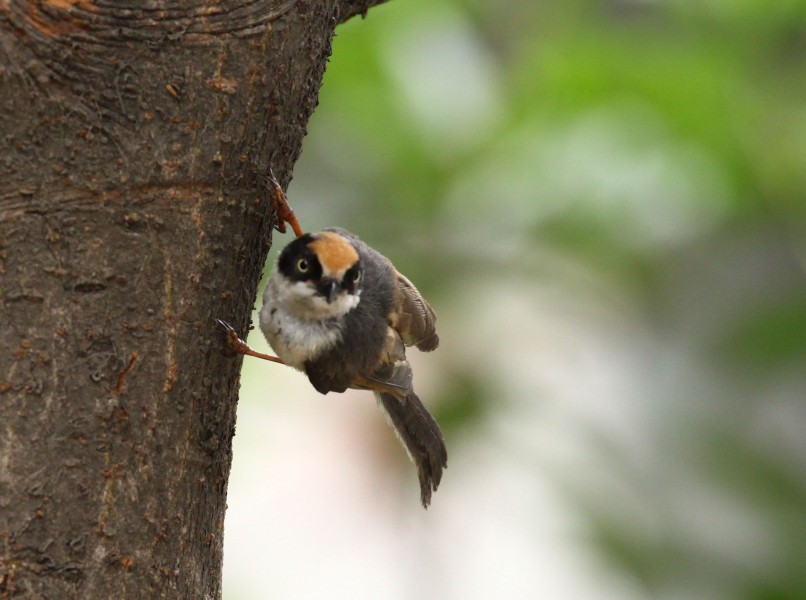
[422, 438]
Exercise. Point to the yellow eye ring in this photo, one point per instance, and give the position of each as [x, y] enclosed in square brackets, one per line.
[302, 265]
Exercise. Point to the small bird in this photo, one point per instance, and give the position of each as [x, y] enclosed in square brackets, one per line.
[340, 312]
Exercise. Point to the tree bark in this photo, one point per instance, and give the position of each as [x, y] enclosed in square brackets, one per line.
[136, 137]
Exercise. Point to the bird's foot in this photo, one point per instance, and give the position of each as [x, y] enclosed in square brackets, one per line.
[279, 203]
[237, 345]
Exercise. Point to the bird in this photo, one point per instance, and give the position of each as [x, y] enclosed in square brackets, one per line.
[340, 312]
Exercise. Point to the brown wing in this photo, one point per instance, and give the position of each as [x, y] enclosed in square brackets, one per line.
[393, 373]
[414, 319]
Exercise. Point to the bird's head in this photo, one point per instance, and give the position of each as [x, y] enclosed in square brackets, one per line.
[321, 275]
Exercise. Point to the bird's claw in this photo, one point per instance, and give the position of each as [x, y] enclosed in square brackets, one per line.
[279, 203]
[238, 346]
[225, 325]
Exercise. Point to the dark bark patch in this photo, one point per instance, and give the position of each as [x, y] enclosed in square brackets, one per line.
[89, 287]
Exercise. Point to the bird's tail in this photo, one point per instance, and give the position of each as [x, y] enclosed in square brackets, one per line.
[421, 436]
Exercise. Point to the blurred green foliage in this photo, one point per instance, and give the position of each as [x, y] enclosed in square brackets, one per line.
[645, 156]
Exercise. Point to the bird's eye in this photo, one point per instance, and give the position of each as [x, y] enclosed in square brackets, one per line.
[356, 276]
[302, 265]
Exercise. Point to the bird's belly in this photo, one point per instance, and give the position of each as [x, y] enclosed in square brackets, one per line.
[297, 341]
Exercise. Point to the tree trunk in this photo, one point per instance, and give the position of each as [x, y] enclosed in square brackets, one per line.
[133, 212]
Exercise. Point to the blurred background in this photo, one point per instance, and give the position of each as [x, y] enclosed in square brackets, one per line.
[605, 202]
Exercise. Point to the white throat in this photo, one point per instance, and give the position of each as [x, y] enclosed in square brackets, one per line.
[299, 323]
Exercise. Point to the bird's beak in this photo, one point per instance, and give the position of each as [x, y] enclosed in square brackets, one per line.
[328, 289]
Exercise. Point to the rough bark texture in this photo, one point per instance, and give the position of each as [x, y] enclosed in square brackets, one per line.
[134, 138]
